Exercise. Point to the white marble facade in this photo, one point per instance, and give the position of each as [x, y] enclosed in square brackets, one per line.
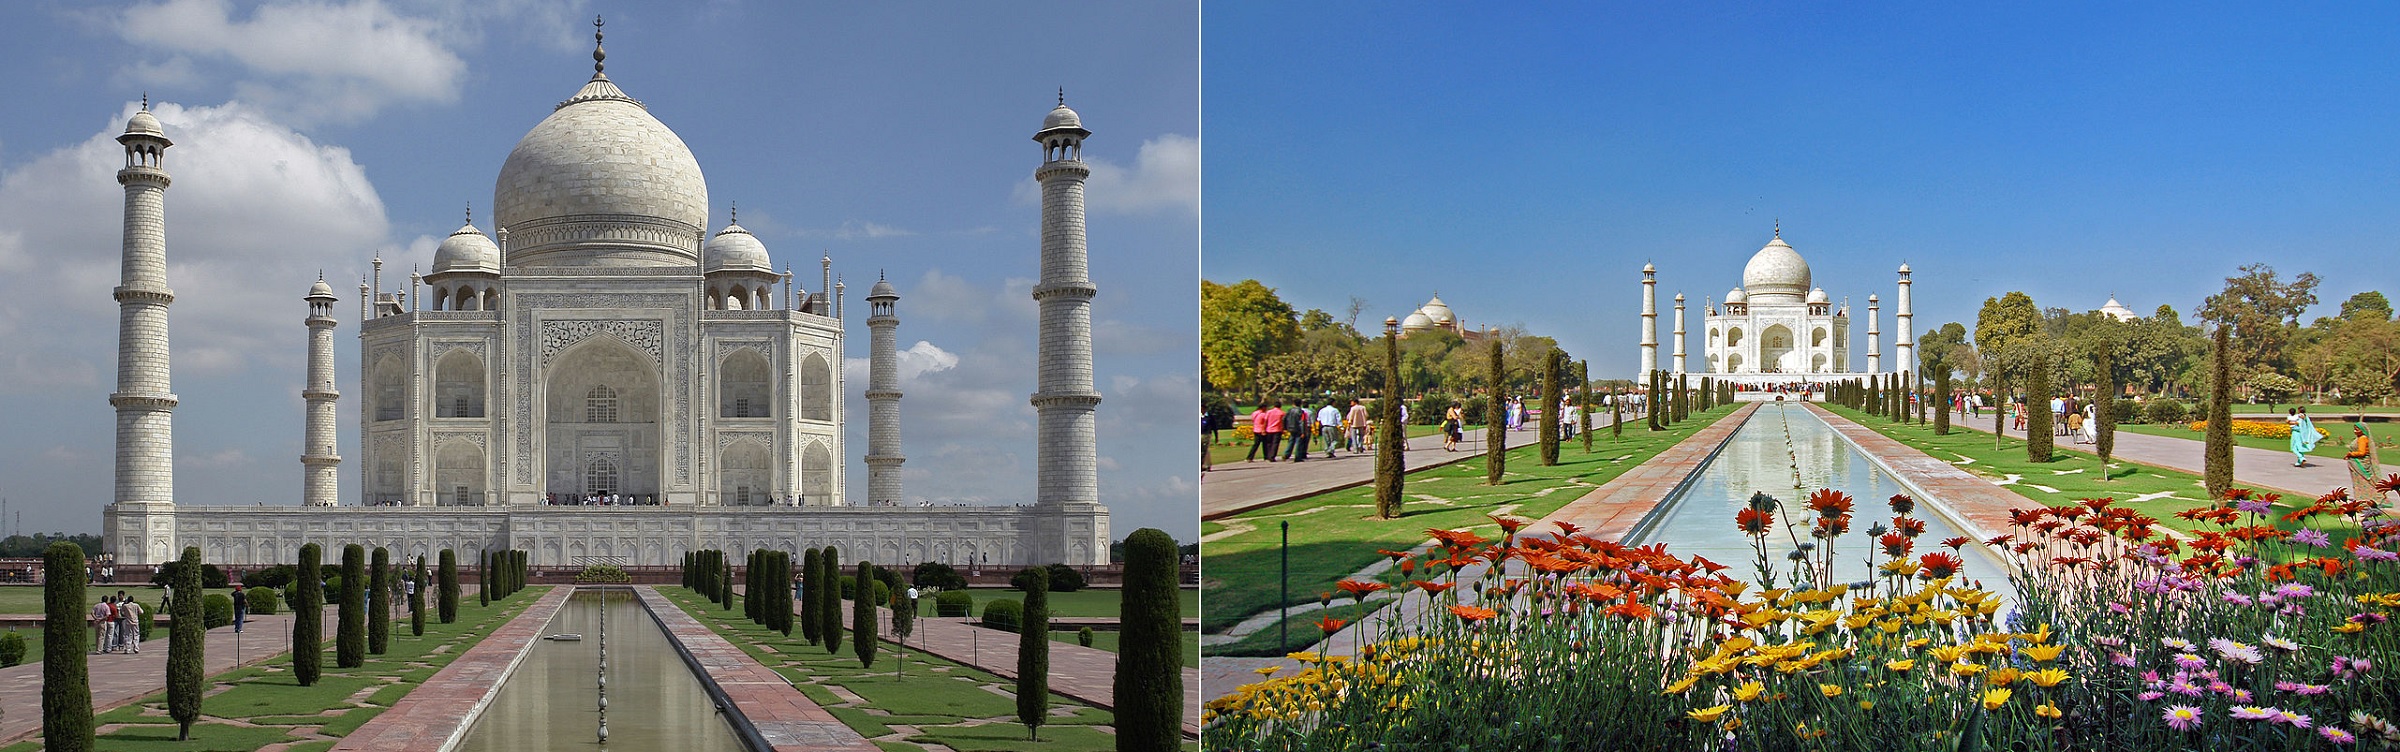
[600, 342]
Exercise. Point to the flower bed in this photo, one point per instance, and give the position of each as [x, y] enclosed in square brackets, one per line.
[2259, 428]
[2246, 637]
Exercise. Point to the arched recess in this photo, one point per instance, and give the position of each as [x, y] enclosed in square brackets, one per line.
[458, 474]
[1733, 337]
[745, 475]
[1733, 363]
[816, 473]
[458, 385]
[601, 405]
[816, 388]
[1775, 350]
[745, 386]
[1817, 338]
[1817, 364]
[391, 388]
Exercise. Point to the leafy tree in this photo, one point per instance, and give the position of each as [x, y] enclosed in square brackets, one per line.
[1240, 325]
[66, 683]
[308, 617]
[1033, 654]
[416, 600]
[350, 636]
[2367, 306]
[379, 602]
[862, 616]
[937, 574]
[187, 647]
[2264, 312]
[2104, 412]
[2274, 387]
[1149, 677]
[448, 604]
[2003, 323]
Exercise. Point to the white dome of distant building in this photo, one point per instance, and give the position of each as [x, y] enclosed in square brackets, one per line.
[2118, 311]
[467, 250]
[1818, 296]
[735, 249]
[1439, 311]
[1416, 322]
[1776, 273]
[600, 182]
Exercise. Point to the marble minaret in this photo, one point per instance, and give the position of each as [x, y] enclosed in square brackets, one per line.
[1068, 464]
[883, 396]
[1679, 332]
[1904, 341]
[320, 467]
[1874, 338]
[145, 482]
[1649, 319]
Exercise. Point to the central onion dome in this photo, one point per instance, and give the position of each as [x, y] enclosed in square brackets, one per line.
[601, 183]
[1776, 274]
[1439, 312]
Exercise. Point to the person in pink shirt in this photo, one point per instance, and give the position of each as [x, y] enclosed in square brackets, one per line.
[1266, 430]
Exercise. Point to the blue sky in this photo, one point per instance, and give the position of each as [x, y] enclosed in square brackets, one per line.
[1525, 160]
[315, 134]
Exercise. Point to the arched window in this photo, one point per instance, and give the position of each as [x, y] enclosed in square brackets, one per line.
[744, 386]
[816, 474]
[458, 386]
[600, 477]
[600, 406]
[816, 389]
[391, 389]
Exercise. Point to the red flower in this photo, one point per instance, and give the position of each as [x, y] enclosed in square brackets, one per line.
[1829, 502]
[2023, 517]
[1567, 529]
[1908, 526]
[1330, 625]
[1938, 565]
[1508, 525]
[1755, 522]
[1433, 587]
[2098, 504]
[1630, 610]
[1832, 527]
[2389, 484]
[1896, 545]
[1360, 588]
[1902, 504]
[1473, 614]
[1998, 540]
[1955, 543]
[1455, 538]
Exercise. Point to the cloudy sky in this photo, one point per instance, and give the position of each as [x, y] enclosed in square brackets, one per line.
[316, 134]
[1525, 159]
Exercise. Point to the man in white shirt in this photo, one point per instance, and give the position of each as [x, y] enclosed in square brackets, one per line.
[1329, 426]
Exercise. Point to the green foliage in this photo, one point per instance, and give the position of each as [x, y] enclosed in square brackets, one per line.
[1004, 614]
[1240, 325]
[1551, 399]
[416, 601]
[2263, 311]
[66, 685]
[603, 574]
[829, 611]
[1431, 407]
[264, 601]
[350, 636]
[953, 603]
[271, 577]
[448, 603]
[379, 601]
[2273, 387]
[2217, 450]
[1033, 654]
[187, 646]
[904, 616]
[12, 648]
[862, 617]
[308, 617]
[1389, 465]
[2165, 410]
[810, 581]
[1083, 637]
[1149, 678]
[1495, 416]
[211, 577]
[937, 574]
[2038, 418]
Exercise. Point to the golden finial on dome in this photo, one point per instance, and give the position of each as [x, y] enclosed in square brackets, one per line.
[599, 53]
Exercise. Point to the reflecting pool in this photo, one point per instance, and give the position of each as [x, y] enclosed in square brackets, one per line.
[551, 702]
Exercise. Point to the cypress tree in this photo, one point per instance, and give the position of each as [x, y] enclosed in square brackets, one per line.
[350, 634]
[2218, 451]
[862, 617]
[308, 617]
[810, 584]
[1870, 401]
[1941, 395]
[1552, 398]
[379, 602]
[750, 587]
[1390, 466]
[1650, 400]
[904, 623]
[2104, 410]
[687, 570]
[1149, 679]
[831, 628]
[448, 600]
[1495, 418]
[2037, 407]
[1033, 651]
[725, 580]
[187, 646]
[66, 683]
[483, 578]
[1616, 415]
[784, 597]
[416, 601]
[1583, 417]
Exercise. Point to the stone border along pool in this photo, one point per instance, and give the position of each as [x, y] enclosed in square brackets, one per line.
[765, 710]
[437, 714]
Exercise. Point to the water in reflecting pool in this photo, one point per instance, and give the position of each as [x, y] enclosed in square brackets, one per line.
[552, 701]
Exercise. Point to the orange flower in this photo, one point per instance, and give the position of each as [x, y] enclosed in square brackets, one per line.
[1567, 529]
[1829, 502]
[1939, 565]
[1455, 538]
[1508, 525]
[1755, 522]
[1330, 625]
[1473, 614]
[1433, 587]
[1955, 543]
[1360, 588]
[1630, 610]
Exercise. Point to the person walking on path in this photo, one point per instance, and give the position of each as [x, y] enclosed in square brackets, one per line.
[1296, 428]
[1266, 423]
[2304, 435]
[2363, 467]
[104, 624]
[1453, 428]
[1329, 426]
[241, 608]
[1356, 421]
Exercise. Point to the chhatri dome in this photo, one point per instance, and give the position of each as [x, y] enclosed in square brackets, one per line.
[1776, 274]
[467, 250]
[601, 183]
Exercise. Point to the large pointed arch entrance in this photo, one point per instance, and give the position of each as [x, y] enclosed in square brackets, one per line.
[601, 417]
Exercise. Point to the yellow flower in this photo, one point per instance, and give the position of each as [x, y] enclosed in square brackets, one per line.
[1830, 690]
[1682, 684]
[1732, 723]
[1919, 642]
[1949, 653]
[2000, 677]
[1966, 669]
[2350, 628]
[1993, 699]
[2043, 653]
[2040, 636]
[2047, 710]
[1866, 704]
[1748, 692]
[1304, 656]
[1267, 670]
[1902, 665]
[1708, 715]
[2049, 677]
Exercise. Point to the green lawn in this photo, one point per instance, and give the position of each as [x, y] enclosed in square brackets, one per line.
[1085, 602]
[950, 704]
[1228, 451]
[2331, 448]
[1107, 640]
[1336, 533]
[262, 705]
[27, 599]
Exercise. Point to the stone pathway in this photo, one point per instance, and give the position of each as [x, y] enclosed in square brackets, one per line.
[1609, 511]
[2252, 467]
[1087, 674]
[787, 719]
[119, 679]
[1977, 504]
[440, 711]
[1236, 487]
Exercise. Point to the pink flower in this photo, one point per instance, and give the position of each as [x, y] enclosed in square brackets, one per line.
[2252, 713]
[2189, 662]
[2337, 736]
[2234, 598]
[2241, 695]
[2279, 643]
[2177, 643]
[2313, 537]
[2365, 553]
[2184, 687]
[2295, 590]
[2347, 667]
[2295, 720]
[2183, 717]
[2121, 659]
[2149, 696]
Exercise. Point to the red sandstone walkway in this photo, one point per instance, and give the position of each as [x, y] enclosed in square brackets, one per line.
[2252, 467]
[1236, 487]
[438, 713]
[1974, 502]
[1086, 674]
[117, 680]
[787, 719]
[1609, 511]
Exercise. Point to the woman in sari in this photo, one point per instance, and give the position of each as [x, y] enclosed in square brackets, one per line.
[2363, 467]
[2304, 436]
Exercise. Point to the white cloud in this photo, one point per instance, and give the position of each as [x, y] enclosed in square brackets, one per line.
[256, 209]
[1164, 178]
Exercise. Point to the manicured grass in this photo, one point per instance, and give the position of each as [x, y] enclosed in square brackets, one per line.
[1336, 533]
[272, 708]
[1228, 451]
[27, 599]
[949, 703]
[1086, 602]
[1107, 640]
[1299, 633]
[2331, 448]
